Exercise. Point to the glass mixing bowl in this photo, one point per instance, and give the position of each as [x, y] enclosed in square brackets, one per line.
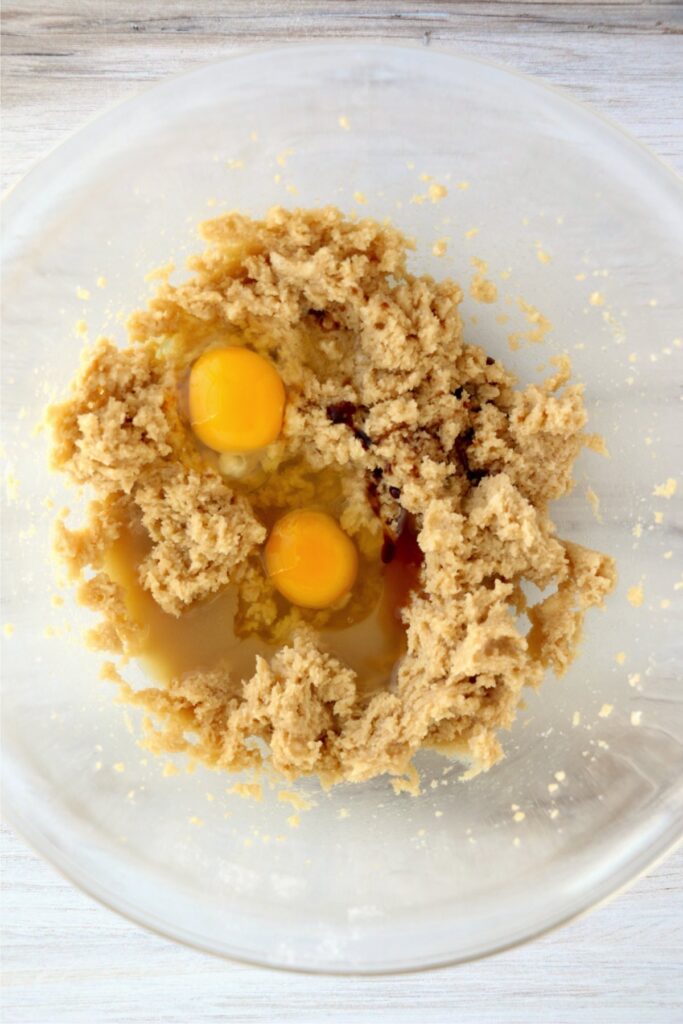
[573, 217]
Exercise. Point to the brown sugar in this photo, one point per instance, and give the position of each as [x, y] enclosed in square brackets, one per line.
[433, 462]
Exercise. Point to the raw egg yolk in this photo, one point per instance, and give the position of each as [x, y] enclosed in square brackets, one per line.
[310, 559]
[237, 400]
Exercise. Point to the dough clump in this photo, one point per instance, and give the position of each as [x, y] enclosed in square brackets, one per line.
[382, 388]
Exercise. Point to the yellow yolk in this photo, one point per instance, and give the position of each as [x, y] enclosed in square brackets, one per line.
[310, 559]
[237, 400]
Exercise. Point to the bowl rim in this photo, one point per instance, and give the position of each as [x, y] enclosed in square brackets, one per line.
[632, 869]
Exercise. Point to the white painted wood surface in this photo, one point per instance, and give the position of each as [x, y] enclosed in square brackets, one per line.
[65, 959]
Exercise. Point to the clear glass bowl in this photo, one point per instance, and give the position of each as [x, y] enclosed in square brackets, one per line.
[368, 881]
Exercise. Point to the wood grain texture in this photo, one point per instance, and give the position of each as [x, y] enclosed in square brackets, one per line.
[69, 961]
[64, 60]
[65, 959]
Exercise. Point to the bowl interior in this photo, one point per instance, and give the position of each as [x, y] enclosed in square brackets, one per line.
[571, 217]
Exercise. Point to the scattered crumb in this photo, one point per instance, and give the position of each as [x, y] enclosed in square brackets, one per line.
[594, 503]
[518, 816]
[8, 629]
[560, 776]
[603, 744]
[294, 799]
[553, 787]
[344, 123]
[169, 769]
[637, 530]
[471, 233]
[634, 678]
[344, 812]
[409, 783]
[463, 185]
[580, 277]
[664, 603]
[101, 282]
[659, 518]
[620, 657]
[83, 293]
[437, 192]
[606, 710]
[161, 273]
[438, 814]
[540, 326]
[636, 717]
[247, 790]
[668, 554]
[119, 766]
[576, 718]
[541, 255]
[56, 600]
[281, 158]
[80, 328]
[516, 841]
[635, 595]
[210, 797]
[294, 821]
[482, 289]
[194, 820]
[553, 812]
[440, 246]
[292, 189]
[359, 198]
[666, 490]
[596, 299]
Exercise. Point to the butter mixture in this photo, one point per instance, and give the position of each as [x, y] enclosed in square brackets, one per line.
[315, 507]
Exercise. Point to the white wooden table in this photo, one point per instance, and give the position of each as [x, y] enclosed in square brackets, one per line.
[66, 959]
